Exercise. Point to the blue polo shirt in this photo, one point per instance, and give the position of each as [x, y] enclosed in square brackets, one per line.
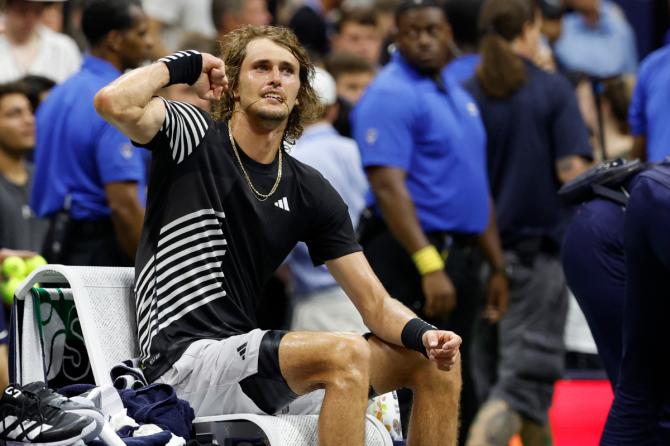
[404, 121]
[649, 111]
[77, 152]
[463, 67]
[604, 50]
[528, 133]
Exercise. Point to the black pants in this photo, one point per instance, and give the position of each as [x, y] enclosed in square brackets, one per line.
[398, 274]
[87, 243]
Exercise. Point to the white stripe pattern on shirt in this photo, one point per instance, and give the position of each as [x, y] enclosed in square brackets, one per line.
[184, 274]
[178, 55]
[184, 126]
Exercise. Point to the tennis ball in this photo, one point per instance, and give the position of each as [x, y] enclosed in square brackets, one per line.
[14, 266]
[34, 263]
[8, 289]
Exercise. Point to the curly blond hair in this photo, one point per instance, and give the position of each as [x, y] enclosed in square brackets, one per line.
[233, 52]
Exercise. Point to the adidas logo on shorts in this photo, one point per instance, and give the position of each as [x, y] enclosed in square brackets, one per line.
[242, 350]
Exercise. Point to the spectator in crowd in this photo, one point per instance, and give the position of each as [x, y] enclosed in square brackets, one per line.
[605, 112]
[52, 16]
[423, 147]
[37, 88]
[19, 229]
[356, 33]
[596, 40]
[20, 232]
[352, 75]
[385, 12]
[649, 112]
[311, 24]
[552, 15]
[463, 15]
[536, 141]
[228, 15]
[86, 170]
[28, 47]
[220, 221]
[171, 20]
[319, 303]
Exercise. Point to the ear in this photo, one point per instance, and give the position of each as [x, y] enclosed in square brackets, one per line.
[113, 40]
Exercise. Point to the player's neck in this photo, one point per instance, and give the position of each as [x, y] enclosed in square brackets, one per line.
[259, 143]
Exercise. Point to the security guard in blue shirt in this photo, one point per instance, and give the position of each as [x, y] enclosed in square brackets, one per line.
[89, 179]
[423, 147]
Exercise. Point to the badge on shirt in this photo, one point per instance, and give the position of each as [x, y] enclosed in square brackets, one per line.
[472, 109]
[127, 151]
[371, 136]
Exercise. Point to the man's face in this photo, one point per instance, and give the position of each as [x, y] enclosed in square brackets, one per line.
[584, 6]
[423, 38]
[255, 12]
[22, 16]
[269, 81]
[359, 39]
[136, 42]
[350, 86]
[17, 123]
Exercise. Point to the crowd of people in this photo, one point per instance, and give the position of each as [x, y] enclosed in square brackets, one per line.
[413, 149]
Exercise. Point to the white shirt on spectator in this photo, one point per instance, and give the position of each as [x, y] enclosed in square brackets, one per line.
[180, 17]
[57, 57]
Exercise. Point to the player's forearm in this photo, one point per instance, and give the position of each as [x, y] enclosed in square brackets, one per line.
[125, 102]
[383, 315]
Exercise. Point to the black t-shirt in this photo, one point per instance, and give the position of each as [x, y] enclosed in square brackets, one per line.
[208, 244]
[527, 133]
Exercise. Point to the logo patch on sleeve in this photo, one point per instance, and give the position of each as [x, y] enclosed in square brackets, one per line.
[371, 136]
[126, 151]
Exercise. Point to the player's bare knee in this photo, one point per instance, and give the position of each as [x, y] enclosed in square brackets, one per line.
[428, 376]
[350, 361]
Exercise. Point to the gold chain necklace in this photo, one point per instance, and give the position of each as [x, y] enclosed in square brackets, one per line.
[258, 195]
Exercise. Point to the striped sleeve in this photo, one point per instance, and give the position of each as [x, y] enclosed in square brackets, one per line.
[183, 129]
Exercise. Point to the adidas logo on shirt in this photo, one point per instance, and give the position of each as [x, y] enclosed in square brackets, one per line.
[283, 204]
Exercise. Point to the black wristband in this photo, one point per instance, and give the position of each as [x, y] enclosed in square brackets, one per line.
[185, 67]
[412, 335]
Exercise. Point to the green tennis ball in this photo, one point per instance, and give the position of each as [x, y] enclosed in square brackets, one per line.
[34, 263]
[14, 266]
[8, 289]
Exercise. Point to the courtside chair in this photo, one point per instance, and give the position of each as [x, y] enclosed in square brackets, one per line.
[95, 307]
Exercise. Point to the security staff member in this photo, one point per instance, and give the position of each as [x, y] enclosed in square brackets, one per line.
[425, 160]
[88, 172]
